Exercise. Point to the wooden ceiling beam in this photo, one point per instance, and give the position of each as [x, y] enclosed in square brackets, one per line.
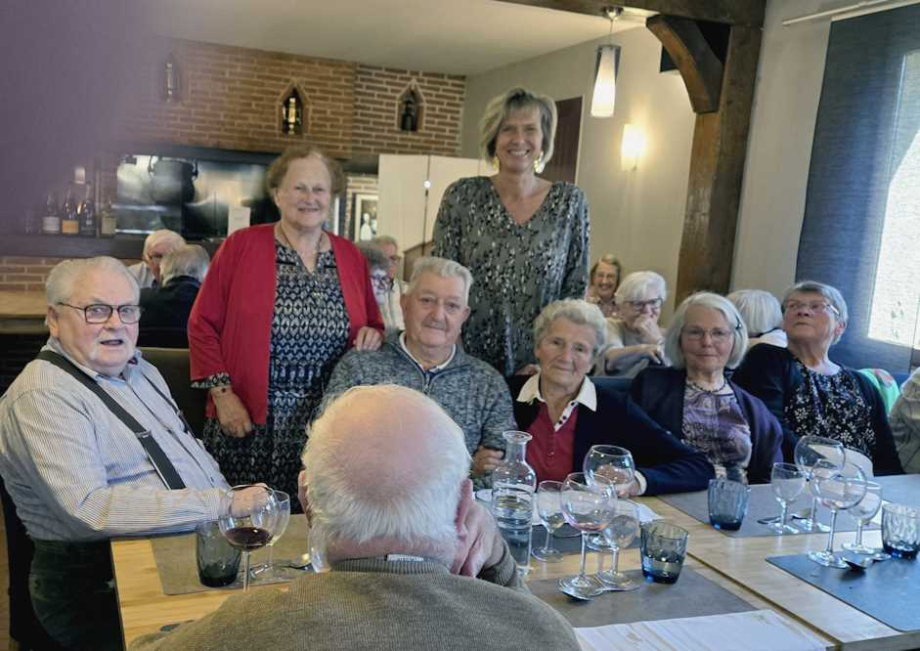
[731, 12]
[698, 65]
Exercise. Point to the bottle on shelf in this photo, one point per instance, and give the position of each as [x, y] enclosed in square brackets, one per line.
[514, 483]
[107, 221]
[87, 213]
[51, 219]
[70, 225]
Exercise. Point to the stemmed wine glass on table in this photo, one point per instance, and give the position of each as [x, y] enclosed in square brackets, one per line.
[622, 530]
[589, 506]
[549, 508]
[616, 464]
[268, 570]
[838, 489]
[787, 483]
[248, 518]
[809, 450]
[863, 513]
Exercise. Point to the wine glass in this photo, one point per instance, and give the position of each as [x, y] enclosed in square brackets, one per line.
[617, 465]
[808, 451]
[863, 512]
[549, 508]
[837, 489]
[588, 506]
[787, 482]
[284, 515]
[248, 516]
[622, 530]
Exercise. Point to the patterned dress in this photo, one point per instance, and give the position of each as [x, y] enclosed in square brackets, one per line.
[517, 268]
[308, 336]
[831, 406]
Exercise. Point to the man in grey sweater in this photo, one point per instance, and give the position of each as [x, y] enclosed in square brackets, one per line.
[425, 357]
[415, 562]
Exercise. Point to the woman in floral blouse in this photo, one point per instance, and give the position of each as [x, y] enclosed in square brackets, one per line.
[525, 239]
[810, 394]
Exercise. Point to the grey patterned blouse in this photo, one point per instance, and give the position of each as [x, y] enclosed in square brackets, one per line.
[517, 268]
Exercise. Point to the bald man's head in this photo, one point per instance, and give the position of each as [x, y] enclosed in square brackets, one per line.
[385, 462]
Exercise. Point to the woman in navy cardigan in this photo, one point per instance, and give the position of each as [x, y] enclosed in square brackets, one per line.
[697, 402]
[566, 413]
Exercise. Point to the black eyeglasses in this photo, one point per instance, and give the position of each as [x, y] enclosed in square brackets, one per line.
[100, 312]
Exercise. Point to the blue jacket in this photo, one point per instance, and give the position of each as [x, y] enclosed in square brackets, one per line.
[668, 465]
[660, 392]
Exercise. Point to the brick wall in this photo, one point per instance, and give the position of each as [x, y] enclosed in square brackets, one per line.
[230, 98]
[28, 274]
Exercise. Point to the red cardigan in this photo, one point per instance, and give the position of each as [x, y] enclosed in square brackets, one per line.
[230, 325]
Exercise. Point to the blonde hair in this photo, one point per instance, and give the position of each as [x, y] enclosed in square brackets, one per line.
[500, 107]
[274, 177]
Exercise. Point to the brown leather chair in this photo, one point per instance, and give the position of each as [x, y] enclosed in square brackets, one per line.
[173, 365]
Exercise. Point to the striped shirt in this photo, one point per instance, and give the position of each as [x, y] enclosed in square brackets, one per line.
[77, 473]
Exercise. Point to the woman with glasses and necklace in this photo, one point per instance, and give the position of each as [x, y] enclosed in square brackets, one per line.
[524, 238]
[634, 338]
[810, 394]
[696, 401]
[280, 305]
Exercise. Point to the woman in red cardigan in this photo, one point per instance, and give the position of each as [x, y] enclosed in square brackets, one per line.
[281, 303]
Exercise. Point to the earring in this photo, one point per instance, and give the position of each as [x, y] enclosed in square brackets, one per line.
[496, 163]
[539, 165]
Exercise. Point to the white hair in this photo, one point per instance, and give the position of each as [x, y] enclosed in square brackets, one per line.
[188, 260]
[578, 312]
[440, 267]
[383, 240]
[163, 235]
[354, 501]
[639, 284]
[829, 292]
[760, 310]
[672, 349]
[64, 276]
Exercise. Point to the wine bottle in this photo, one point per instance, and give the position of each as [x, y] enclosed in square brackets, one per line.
[51, 220]
[70, 225]
[108, 223]
[87, 213]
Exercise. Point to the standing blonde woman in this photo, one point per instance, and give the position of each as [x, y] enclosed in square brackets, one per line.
[525, 239]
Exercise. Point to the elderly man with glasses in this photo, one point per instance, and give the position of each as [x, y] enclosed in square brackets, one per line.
[426, 357]
[92, 447]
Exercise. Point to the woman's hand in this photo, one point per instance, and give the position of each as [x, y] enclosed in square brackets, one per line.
[647, 326]
[368, 339]
[486, 460]
[231, 413]
[653, 351]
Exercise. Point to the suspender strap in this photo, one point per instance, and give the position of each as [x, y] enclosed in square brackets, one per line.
[158, 458]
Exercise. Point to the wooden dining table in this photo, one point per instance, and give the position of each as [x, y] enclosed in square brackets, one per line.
[737, 564]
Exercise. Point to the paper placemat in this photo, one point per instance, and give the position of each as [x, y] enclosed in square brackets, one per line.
[888, 591]
[761, 505]
[692, 596]
[761, 630]
[900, 489]
[178, 569]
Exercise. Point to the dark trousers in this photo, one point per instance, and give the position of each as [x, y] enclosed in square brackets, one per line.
[73, 594]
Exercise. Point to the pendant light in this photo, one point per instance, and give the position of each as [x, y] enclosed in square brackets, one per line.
[605, 81]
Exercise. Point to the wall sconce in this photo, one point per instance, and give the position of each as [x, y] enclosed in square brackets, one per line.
[171, 79]
[605, 77]
[632, 147]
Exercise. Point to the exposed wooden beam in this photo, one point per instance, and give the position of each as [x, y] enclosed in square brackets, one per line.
[698, 65]
[732, 12]
[716, 171]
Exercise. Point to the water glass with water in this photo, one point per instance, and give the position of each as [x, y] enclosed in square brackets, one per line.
[901, 530]
[218, 561]
[663, 549]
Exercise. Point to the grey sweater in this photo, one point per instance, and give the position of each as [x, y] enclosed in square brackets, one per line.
[468, 389]
[380, 606]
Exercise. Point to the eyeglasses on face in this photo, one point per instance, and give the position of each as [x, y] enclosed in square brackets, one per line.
[654, 303]
[818, 307]
[717, 335]
[101, 313]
